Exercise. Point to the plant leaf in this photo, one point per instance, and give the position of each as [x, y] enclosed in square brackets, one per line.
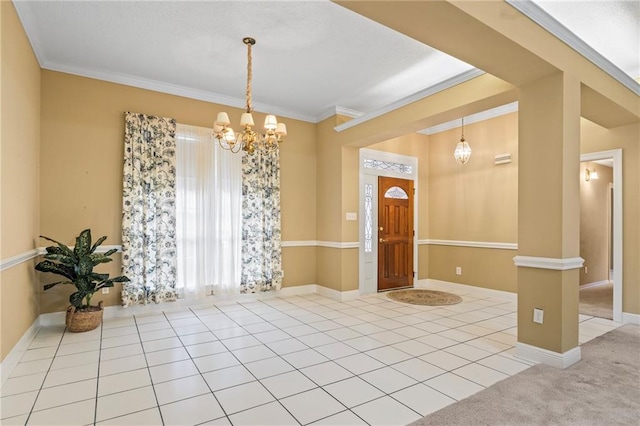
[99, 258]
[83, 243]
[54, 250]
[76, 299]
[121, 279]
[99, 277]
[48, 286]
[109, 252]
[61, 246]
[97, 243]
[62, 258]
[85, 266]
[57, 268]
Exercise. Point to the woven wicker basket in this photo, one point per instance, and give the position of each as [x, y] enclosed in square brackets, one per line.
[79, 321]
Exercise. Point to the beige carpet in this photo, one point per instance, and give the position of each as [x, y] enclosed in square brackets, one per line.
[424, 297]
[602, 389]
[597, 301]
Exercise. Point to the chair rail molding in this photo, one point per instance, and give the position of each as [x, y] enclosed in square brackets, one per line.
[474, 244]
[30, 254]
[549, 262]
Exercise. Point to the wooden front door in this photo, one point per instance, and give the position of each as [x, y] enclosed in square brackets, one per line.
[395, 233]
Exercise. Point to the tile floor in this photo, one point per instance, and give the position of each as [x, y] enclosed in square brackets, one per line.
[273, 361]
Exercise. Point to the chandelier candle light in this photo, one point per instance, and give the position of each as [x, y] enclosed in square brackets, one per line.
[463, 150]
[247, 139]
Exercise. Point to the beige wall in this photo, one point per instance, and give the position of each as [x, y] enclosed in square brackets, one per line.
[481, 267]
[476, 202]
[596, 138]
[594, 223]
[20, 139]
[82, 143]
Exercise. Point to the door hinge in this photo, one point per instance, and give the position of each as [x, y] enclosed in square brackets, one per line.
[414, 274]
[414, 233]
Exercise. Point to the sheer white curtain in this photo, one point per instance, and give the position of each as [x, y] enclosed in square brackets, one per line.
[208, 214]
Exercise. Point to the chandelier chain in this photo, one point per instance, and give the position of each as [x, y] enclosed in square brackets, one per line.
[249, 77]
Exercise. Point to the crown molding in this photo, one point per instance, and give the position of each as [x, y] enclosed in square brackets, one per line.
[431, 90]
[338, 110]
[174, 89]
[23, 9]
[546, 21]
[473, 118]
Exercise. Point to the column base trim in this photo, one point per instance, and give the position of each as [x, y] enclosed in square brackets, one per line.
[545, 356]
[628, 318]
[549, 262]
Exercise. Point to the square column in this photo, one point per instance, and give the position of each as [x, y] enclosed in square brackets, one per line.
[549, 220]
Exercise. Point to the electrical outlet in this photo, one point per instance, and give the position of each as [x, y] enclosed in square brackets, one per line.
[586, 270]
[105, 290]
[458, 270]
[538, 315]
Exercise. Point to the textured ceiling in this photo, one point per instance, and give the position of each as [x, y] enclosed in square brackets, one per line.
[610, 27]
[310, 56]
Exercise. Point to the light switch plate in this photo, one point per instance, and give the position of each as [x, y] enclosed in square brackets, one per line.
[352, 216]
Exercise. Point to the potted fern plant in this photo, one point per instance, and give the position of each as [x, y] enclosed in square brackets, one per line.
[76, 266]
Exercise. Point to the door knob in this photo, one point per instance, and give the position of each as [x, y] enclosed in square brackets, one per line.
[382, 240]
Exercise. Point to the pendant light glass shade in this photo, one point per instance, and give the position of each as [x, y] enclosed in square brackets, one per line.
[463, 150]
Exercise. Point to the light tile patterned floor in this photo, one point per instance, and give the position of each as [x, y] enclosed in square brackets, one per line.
[280, 361]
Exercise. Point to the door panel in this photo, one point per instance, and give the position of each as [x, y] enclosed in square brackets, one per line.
[395, 233]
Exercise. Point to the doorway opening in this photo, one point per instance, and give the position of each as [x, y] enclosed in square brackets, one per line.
[373, 165]
[601, 234]
[395, 233]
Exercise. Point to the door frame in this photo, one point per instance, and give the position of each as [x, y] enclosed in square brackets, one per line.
[368, 260]
[616, 155]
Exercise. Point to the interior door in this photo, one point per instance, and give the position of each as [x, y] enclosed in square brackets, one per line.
[395, 233]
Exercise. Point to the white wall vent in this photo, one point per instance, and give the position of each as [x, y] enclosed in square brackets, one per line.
[502, 159]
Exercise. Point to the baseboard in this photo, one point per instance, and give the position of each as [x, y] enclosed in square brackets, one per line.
[595, 284]
[117, 311]
[498, 294]
[545, 356]
[297, 290]
[628, 318]
[15, 355]
[340, 296]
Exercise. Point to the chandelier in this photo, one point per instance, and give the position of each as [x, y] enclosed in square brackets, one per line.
[247, 139]
[463, 150]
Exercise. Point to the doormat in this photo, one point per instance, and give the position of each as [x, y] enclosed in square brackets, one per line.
[424, 297]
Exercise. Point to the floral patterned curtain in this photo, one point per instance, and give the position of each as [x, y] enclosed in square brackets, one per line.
[149, 209]
[261, 252]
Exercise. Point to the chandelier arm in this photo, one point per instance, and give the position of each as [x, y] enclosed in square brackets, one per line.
[247, 139]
